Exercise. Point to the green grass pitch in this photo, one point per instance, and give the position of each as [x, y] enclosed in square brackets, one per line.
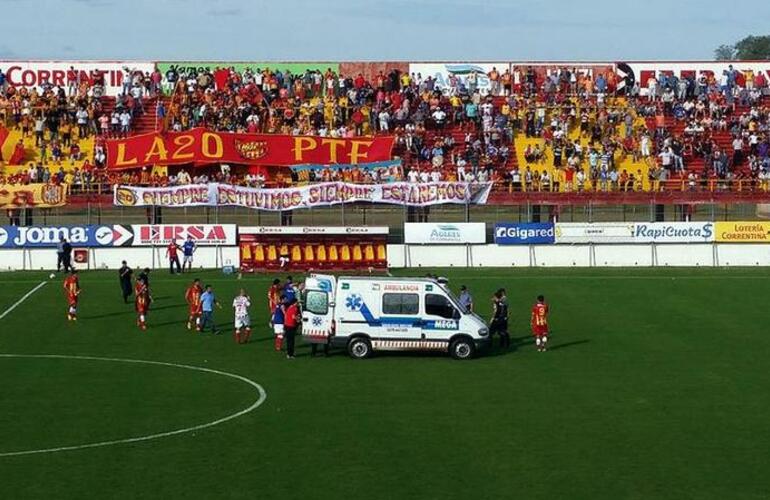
[657, 385]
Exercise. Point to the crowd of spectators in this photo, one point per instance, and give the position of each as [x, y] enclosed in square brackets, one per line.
[409, 106]
[579, 135]
[694, 131]
[55, 119]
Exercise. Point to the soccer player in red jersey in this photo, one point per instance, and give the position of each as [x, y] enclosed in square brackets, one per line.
[72, 291]
[193, 298]
[142, 299]
[540, 323]
[274, 295]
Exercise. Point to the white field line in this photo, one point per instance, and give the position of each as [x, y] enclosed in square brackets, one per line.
[260, 399]
[22, 299]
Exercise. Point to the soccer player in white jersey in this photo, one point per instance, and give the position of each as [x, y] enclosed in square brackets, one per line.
[241, 305]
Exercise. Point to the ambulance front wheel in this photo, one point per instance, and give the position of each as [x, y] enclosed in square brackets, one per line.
[462, 348]
[359, 348]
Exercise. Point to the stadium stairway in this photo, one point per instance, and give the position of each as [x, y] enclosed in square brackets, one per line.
[723, 138]
[457, 132]
[145, 122]
[521, 142]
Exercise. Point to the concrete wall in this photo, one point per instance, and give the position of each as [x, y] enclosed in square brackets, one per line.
[110, 258]
[645, 255]
[416, 256]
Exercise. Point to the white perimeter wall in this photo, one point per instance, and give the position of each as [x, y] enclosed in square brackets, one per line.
[673, 255]
[403, 256]
[110, 258]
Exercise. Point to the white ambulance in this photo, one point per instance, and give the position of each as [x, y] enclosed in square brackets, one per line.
[365, 314]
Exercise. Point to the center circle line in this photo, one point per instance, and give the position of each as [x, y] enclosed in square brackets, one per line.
[260, 390]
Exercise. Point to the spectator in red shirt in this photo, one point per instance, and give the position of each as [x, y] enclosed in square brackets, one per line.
[290, 325]
[173, 257]
[18, 154]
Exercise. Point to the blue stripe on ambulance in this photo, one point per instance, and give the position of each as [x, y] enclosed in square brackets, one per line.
[440, 324]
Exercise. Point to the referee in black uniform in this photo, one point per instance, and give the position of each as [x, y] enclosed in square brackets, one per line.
[499, 323]
[124, 274]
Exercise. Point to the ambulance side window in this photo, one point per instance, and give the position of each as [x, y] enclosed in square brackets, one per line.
[317, 302]
[438, 305]
[400, 303]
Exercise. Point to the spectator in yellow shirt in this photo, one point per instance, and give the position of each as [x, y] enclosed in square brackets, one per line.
[405, 80]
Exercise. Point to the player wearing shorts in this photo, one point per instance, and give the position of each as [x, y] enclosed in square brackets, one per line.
[142, 299]
[188, 249]
[276, 320]
[241, 305]
[540, 323]
[71, 292]
[193, 297]
[283, 258]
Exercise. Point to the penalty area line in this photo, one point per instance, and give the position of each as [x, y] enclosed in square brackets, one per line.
[25, 297]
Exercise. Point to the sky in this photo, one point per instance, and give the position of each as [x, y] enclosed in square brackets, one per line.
[411, 30]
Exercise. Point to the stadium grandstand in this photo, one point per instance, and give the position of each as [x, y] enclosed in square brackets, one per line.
[549, 130]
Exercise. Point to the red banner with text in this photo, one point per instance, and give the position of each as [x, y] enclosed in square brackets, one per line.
[205, 146]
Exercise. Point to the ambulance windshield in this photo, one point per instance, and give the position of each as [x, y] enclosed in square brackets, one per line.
[452, 298]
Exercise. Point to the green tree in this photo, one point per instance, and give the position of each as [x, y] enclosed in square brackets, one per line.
[750, 48]
[753, 47]
[724, 53]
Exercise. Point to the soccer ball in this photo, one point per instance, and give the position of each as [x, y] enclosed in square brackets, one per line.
[52, 276]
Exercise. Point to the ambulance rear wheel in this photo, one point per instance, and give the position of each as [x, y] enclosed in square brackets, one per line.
[462, 348]
[359, 348]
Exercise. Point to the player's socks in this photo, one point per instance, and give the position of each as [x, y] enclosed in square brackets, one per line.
[278, 342]
[189, 324]
[237, 336]
[248, 336]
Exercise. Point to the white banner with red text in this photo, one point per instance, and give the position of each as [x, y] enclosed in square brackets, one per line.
[40, 74]
[201, 234]
[309, 196]
[631, 72]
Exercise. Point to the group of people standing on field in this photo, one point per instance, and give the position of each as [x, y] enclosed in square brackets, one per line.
[201, 301]
[285, 314]
[498, 323]
[140, 288]
[172, 253]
